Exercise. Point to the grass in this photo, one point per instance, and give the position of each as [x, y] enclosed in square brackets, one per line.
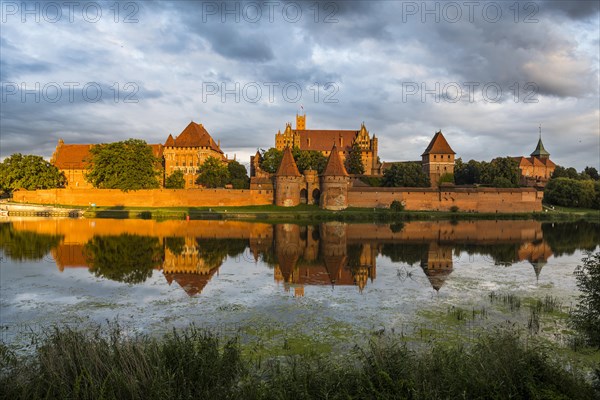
[192, 363]
[510, 300]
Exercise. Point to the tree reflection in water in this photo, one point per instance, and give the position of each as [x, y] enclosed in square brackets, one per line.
[326, 254]
[26, 245]
[124, 258]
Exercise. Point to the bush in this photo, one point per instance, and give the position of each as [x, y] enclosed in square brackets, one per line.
[502, 182]
[396, 206]
[585, 318]
[454, 209]
[568, 192]
[372, 181]
[447, 178]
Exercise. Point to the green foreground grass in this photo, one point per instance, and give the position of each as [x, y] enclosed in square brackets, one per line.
[191, 363]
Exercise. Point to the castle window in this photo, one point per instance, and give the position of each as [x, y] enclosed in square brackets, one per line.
[434, 156]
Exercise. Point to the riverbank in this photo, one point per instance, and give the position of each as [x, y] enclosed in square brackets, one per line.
[192, 363]
[312, 213]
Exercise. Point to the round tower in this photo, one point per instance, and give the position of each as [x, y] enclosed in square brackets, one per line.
[334, 183]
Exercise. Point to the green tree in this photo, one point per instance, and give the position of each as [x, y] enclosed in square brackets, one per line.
[502, 182]
[271, 159]
[238, 176]
[570, 192]
[407, 174]
[585, 318]
[592, 173]
[354, 162]
[596, 201]
[175, 180]
[502, 170]
[467, 174]
[126, 165]
[309, 160]
[562, 172]
[29, 172]
[213, 173]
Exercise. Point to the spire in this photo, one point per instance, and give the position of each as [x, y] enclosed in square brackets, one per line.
[540, 151]
[288, 166]
[335, 166]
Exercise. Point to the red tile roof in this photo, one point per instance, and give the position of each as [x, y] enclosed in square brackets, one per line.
[192, 284]
[522, 161]
[438, 145]
[71, 156]
[288, 166]
[170, 141]
[194, 135]
[77, 156]
[322, 140]
[335, 166]
[536, 162]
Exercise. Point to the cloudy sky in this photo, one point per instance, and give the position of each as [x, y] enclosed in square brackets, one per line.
[487, 73]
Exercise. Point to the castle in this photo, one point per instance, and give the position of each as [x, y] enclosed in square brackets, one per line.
[322, 141]
[330, 189]
[538, 168]
[186, 152]
[333, 189]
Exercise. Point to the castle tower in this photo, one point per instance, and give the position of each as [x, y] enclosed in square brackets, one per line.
[540, 151]
[334, 183]
[375, 158]
[300, 122]
[287, 181]
[438, 159]
[437, 264]
[333, 249]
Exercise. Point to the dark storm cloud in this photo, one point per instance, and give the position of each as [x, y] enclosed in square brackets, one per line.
[32, 123]
[581, 9]
[369, 49]
[229, 39]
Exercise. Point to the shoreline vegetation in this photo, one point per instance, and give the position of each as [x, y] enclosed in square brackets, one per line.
[312, 213]
[108, 363]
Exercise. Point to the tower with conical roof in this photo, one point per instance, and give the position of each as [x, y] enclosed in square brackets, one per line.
[540, 152]
[334, 183]
[438, 159]
[537, 169]
[287, 181]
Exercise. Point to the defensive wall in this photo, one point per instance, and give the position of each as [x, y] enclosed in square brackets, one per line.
[494, 200]
[147, 198]
[491, 200]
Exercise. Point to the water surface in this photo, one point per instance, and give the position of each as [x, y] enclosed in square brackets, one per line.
[319, 282]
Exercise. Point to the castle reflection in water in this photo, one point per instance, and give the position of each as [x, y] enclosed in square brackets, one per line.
[190, 253]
